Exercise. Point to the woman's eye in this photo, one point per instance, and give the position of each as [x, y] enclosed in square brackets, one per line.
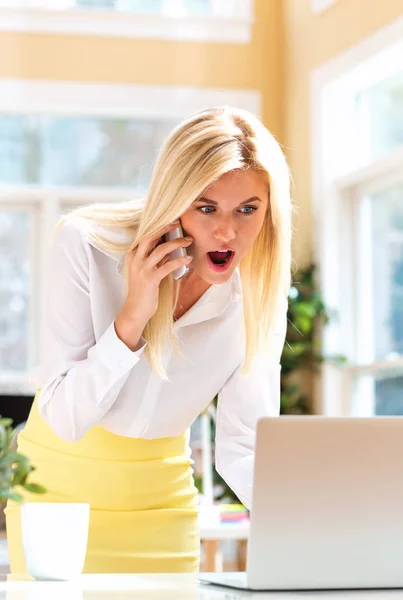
[248, 210]
[245, 210]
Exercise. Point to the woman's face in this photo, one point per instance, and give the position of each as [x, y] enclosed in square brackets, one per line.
[224, 223]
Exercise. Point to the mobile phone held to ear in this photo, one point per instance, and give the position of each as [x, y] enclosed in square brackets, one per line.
[178, 253]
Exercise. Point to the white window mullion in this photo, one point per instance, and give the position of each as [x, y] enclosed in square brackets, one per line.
[363, 397]
[334, 391]
[346, 317]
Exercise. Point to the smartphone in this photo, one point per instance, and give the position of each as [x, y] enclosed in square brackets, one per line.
[178, 253]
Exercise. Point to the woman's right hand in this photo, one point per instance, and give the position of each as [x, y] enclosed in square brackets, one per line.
[147, 266]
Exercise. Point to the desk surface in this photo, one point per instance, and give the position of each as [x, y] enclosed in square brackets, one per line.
[161, 587]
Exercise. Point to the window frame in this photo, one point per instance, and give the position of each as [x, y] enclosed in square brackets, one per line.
[338, 178]
[235, 27]
[118, 100]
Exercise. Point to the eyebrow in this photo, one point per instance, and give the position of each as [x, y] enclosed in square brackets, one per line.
[253, 199]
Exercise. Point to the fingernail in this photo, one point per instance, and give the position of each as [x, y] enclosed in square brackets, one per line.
[189, 239]
[189, 258]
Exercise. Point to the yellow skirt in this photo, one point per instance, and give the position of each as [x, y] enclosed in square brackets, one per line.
[144, 515]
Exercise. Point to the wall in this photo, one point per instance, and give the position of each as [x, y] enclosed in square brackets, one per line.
[311, 40]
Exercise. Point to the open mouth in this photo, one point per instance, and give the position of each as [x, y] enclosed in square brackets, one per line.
[220, 260]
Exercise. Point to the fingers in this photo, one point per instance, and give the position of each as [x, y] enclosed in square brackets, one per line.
[145, 247]
[165, 249]
[157, 258]
[171, 265]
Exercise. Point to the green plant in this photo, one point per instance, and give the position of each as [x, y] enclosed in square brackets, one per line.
[15, 468]
[307, 316]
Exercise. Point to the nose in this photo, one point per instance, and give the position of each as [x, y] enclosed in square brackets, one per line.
[224, 230]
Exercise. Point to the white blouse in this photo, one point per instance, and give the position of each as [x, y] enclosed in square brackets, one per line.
[89, 377]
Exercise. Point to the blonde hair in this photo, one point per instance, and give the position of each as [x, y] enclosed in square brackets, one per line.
[199, 151]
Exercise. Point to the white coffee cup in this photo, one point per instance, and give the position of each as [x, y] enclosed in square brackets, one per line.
[54, 537]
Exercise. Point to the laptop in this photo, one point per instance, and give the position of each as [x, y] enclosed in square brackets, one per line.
[327, 506]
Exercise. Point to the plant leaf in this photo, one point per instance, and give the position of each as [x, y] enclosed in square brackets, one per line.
[35, 488]
[19, 477]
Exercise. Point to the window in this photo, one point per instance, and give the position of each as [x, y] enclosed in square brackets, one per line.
[80, 150]
[378, 292]
[358, 202]
[193, 20]
[379, 112]
[63, 145]
[16, 278]
[168, 7]
[380, 274]
[388, 395]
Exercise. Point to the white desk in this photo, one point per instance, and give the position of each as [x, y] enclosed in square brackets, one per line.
[158, 587]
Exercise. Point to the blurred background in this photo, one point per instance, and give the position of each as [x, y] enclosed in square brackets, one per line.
[89, 89]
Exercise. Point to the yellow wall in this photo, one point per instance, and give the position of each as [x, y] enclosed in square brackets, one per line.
[311, 40]
[256, 66]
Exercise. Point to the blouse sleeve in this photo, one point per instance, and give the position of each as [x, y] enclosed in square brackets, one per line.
[242, 401]
[79, 379]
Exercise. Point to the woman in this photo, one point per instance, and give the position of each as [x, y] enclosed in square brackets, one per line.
[132, 355]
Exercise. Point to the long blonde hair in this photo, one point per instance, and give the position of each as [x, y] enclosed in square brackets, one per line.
[198, 152]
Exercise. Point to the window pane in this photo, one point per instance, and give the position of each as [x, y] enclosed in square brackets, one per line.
[389, 396]
[80, 150]
[168, 7]
[380, 117]
[147, 6]
[380, 276]
[174, 8]
[15, 276]
[20, 149]
[388, 272]
[378, 395]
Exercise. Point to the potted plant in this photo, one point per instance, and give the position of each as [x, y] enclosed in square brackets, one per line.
[15, 468]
